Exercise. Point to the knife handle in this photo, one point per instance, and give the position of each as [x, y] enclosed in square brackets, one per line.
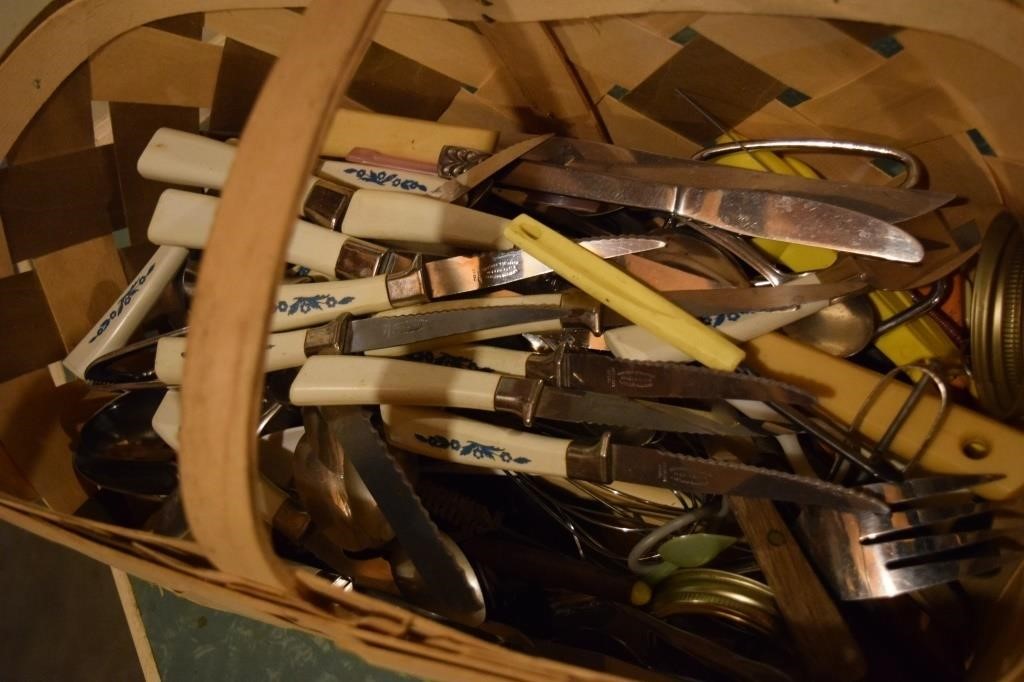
[284, 350]
[550, 326]
[304, 305]
[380, 176]
[185, 218]
[387, 216]
[117, 325]
[501, 360]
[440, 435]
[625, 295]
[355, 380]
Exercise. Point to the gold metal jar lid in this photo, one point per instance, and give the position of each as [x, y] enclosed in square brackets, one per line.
[730, 596]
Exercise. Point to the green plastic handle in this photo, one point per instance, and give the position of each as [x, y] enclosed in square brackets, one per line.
[629, 297]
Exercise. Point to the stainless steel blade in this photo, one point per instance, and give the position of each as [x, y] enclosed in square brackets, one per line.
[798, 220]
[674, 471]
[885, 203]
[755, 213]
[588, 407]
[645, 379]
[400, 330]
[463, 274]
[414, 529]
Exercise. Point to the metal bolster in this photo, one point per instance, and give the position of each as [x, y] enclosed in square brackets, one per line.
[453, 161]
[408, 287]
[582, 311]
[326, 204]
[359, 258]
[591, 462]
[518, 396]
[328, 339]
[292, 521]
[541, 366]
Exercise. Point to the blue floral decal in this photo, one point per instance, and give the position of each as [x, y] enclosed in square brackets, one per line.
[721, 318]
[384, 178]
[125, 301]
[304, 304]
[471, 449]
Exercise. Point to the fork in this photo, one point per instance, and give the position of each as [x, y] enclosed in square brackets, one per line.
[936, 532]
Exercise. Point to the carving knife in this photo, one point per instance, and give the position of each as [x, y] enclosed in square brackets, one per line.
[160, 361]
[629, 378]
[303, 305]
[440, 435]
[361, 380]
[884, 203]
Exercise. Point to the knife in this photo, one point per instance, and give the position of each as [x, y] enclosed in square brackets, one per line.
[354, 380]
[740, 313]
[885, 203]
[628, 378]
[182, 158]
[753, 213]
[160, 361]
[303, 305]
[433, 558]
[440, 435]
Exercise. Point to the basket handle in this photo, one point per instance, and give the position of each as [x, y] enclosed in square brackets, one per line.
[230, 315]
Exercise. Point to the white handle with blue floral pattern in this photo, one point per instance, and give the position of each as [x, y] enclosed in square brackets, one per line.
[440, 435]
[304, 305]
[117, 325]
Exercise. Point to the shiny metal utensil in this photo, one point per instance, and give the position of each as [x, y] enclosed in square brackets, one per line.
[455, 592]
[927, 539]
[883, 203]
[747, 212]
[331, 490]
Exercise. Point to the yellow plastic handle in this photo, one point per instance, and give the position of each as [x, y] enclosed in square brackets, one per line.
[623, 294]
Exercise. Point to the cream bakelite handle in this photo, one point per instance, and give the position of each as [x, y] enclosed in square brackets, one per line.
[117, 325]
[398, 136]
[181, 158]
[501, 360]
[440, 435]
[356, 380]
[387, 216]
[284, 350]
[185, 219]
[305, 305]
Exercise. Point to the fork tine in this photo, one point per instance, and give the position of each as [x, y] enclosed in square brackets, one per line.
[912, 578]
[919, 521]
[920, 549]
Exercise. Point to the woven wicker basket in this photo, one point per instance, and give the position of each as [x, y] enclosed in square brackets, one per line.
[941, 79]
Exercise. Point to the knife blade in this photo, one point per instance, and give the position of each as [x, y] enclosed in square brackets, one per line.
[362, 380]
[303, 305]
[440, 435]
[754, 213]
[415, 531]
[885, 203]
[160, 361]
[628, 378]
